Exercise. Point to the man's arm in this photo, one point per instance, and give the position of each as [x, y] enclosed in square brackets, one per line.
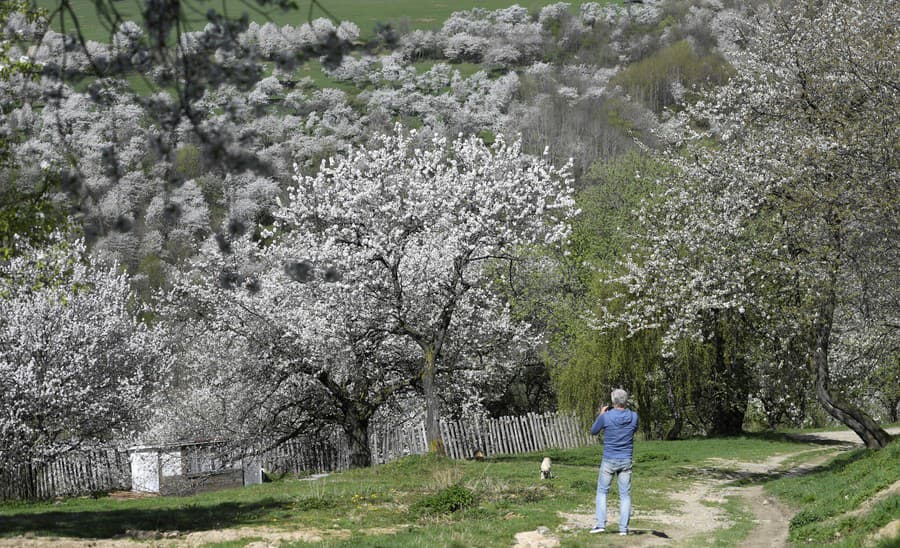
[599, 422]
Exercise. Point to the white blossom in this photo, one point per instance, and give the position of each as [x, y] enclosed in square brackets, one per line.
[78, 367]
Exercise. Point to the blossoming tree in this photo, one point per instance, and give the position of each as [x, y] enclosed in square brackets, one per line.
[407, 229]
[276, 349]
[77, 367]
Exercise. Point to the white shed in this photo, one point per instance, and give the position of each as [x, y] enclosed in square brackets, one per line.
[190, 468]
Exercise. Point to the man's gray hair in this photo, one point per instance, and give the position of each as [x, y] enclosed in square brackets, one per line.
[619, 397]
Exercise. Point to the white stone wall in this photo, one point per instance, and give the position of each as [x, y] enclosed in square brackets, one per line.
[144, 470]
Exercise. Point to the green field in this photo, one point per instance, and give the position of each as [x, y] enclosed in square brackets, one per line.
[409, 502]
[365, 13]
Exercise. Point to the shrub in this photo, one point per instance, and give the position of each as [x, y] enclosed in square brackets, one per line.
[805, 517]
[305, 504]
[447, 500]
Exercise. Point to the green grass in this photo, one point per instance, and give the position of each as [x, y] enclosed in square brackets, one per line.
[365, 13]
[415, 13]
[92, 25]
[822, 498]
[508, 499]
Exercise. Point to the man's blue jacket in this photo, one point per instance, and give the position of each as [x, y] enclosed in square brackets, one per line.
[620, 426]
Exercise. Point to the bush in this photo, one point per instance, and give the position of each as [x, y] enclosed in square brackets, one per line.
[805, 517]
[305, 504]
[447, 500]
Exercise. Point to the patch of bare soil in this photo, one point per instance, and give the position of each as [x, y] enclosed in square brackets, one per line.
[699, 512]
[539, 538]
[268, 537]
[772, 519]
[891, 531]
[30, 541]
[171, 539]
[272, 536]
[699, 507]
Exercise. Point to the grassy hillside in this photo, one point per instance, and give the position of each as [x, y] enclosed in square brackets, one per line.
[828, 501]
[365, 13]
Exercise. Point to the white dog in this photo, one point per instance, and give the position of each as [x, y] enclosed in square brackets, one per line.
[545, 468]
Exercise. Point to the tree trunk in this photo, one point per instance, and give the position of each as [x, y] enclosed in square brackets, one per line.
[432, 406]
[356, 426]
[854, 418]
[675, 432]
[357, 412]
[731, 387]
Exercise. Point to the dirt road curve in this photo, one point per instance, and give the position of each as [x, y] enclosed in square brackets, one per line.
[699, 511]
[772, 517]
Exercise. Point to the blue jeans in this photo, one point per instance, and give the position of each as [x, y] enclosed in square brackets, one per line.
[608, 468]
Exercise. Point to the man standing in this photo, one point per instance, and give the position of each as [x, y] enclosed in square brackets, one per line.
[620, 424]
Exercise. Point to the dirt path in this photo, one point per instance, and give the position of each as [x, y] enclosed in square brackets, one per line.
[771, 518]
[265, 537]
[699, 506]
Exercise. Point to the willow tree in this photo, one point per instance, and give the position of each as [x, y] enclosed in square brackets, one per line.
[586, 363]
[591, 356]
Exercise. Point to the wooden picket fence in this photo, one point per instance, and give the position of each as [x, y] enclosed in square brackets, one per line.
[308, 457]
[76, 473]
[503, 435]
[109, 470]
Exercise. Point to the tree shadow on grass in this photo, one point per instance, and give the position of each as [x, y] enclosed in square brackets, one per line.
[111, 523]
[809, 438]
[740, 477]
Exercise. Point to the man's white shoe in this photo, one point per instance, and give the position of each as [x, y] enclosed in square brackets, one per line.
[622, 533]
